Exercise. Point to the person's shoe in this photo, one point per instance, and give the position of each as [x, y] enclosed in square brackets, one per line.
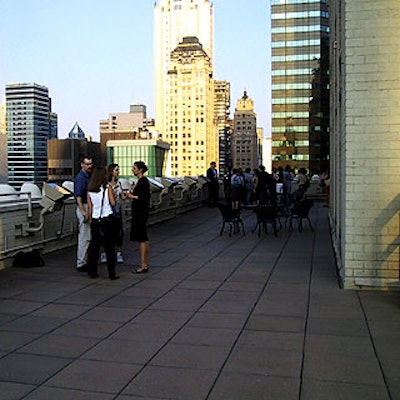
[103, 258]
[82, 268]
[113, 278]
[120, 259]
[93, 276]
[141, 270]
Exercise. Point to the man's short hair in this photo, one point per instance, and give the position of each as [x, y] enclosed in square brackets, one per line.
[85, 156]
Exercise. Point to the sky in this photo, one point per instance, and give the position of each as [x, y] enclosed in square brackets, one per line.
[96, 56]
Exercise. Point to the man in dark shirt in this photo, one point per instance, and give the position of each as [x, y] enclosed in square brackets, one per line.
[80, 191]
[265, 187]
[213, 186]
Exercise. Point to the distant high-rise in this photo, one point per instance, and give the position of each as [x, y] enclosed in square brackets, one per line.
[300, 84]
[3, 145]
[29, 124]
[2, 119]
[246, 148]
[76, 132]
[222, 103]
[174, 20]
[129, 122]
[189, 110]
[125, 125]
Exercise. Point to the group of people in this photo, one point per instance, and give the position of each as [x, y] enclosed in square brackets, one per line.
[259, 186]
[249, 187]
[99, 197]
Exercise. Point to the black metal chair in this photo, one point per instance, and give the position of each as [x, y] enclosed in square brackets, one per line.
[283, 209]
[300, 212]
[232, 218]
[266, 214]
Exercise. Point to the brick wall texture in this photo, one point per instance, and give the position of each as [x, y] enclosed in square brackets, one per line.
[369, 162]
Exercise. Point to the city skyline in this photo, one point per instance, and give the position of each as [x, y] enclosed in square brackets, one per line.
[87, 55]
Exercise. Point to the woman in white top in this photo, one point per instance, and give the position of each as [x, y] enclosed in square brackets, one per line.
[100, 203]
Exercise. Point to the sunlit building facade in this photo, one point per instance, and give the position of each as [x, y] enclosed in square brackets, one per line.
[174, 20]
[190, 123]
[125, 125]
[300, 84]
[30, 123]
[245, 143]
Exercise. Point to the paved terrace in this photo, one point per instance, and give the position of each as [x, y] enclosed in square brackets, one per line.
[216, 318]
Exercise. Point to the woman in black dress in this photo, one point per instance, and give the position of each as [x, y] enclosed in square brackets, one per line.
[140, 195]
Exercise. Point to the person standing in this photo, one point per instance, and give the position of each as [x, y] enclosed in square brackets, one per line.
[80, 192]
[140, 196]
[265, 187]
[237, 184]
[119, 195]
[287, 184]
[100, 202]
[248, 186]
[213, 186]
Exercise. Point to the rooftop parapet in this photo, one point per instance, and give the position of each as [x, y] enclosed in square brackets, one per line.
[45, 219]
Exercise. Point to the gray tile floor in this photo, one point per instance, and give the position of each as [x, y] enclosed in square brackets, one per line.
[217, 318]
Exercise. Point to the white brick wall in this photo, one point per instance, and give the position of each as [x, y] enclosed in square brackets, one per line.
[366, 145]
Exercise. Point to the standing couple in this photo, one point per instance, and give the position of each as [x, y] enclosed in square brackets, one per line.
[98, 227]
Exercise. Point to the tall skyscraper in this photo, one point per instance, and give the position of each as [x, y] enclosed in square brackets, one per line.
[29, 124]
[174, 20]
[189, 110]
[246, 147]
[222, 103]
[3, 145]
[300, 84]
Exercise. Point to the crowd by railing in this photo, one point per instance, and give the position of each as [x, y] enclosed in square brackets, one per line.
[38, 219]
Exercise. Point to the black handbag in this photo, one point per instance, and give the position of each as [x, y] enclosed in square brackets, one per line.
[104, 223]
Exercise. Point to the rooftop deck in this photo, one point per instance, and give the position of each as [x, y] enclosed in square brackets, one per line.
[217, 317]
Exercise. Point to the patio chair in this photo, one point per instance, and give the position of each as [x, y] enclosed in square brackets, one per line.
[301, 212]
[232, 218]
[266, 214]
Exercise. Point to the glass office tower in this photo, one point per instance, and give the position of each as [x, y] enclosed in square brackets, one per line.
[300, 84]
[29, 125]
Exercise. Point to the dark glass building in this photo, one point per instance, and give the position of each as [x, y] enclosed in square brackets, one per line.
[222, 103]
[300, 84]
[30, 123]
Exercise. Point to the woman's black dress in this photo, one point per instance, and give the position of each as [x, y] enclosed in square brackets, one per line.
[140, 211]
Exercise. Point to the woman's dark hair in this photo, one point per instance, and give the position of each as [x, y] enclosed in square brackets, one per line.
[110, 169]
[141, 165]
[97, 179]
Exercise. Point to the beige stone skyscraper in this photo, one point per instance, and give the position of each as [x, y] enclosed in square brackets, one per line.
[246, 143]
[174, 20]
[190, 126]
